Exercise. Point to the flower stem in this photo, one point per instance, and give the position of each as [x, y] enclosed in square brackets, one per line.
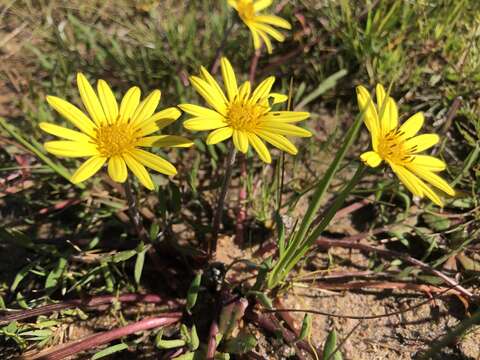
[133, 212]
[253, 66]
[212, 243]
[219, 52]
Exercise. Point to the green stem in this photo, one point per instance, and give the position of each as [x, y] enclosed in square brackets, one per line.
[212, 243]
[322, 187]
[293, 257]
[133, 212]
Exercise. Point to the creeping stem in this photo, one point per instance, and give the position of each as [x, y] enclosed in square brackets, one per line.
[212, 243]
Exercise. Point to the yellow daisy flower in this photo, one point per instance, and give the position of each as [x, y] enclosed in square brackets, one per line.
[260, 25]
[244, 115]
[399, 146]
[113, 134]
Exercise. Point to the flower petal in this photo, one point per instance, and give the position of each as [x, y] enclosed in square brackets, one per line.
[262, 90]
[219, 135]
[278, 98]
[371, 158]
[117, 169]
[90, 100]
[200, 111]
[259, 34]
[284, 129]
[261, 4]
[370, 116]
[244, 91]
[72, 114]
[408, 179]
[233, 4]
[229, 78]
[208, 93]
[428, 162]
[279, 141]
[421, 142]
[213, 83]
[287, 116]
[129, 104]
[108, 101]
[259, 147]
[163, 141]
[240, 140]
[146, 108]
[88, 169]
[257, 43]
[274, 20]
[412, 126]
[432, 178]
[68, 148]
[63, 132]
[203, 123]
[381, 95]
[154, 162]
[160, 120]
[428, 192]
[139, 171]
[389, 116]
[277, 35]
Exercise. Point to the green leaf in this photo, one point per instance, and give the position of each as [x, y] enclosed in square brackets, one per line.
[300, 243]
[330, 346]
[262, 298]
[437, 223]
[55, 275]
[241, 344]
[123, 256]
[306, 331]
[193, 291]
[139, 262]
[20, 276]
[110, 350]
[281, 233]
[35, 148]
[324, 86]
[195, 341]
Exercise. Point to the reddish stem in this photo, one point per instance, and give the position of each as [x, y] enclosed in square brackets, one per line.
[348, 244]
[89, 302]
[212, 340]
[253, 66]
[271, 324]
[90, 342]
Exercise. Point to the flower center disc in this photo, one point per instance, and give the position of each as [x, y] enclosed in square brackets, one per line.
[392, 148]
[115, 139]
[246, 9]
[243, 116]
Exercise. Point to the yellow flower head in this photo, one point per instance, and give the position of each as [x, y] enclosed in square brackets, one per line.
[260, 25]
[112, 133]
[244, 115]
[399, 146]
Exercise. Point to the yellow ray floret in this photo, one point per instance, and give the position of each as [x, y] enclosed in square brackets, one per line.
[399, 145]
[260, 26]
[113, 134]
[244, 115]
